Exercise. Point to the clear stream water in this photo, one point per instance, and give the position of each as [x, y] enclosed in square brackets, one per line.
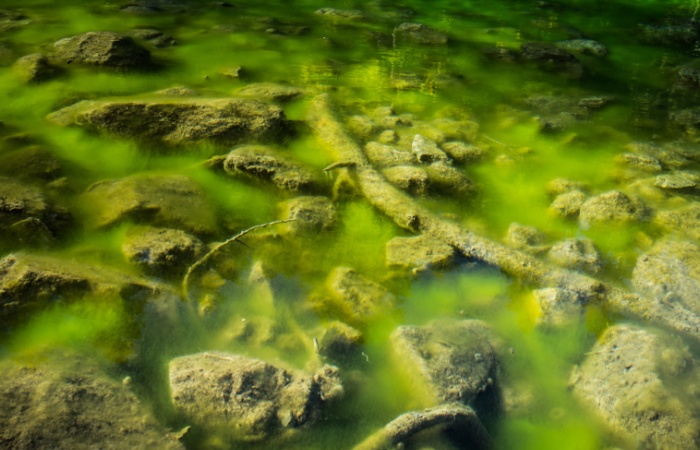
[367, 69]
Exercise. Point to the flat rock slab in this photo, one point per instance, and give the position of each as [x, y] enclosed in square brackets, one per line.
[69, 402]
[447, 360]
[179, 121]
[172, 201]
[29, 281]
[633, 380]
[102, 49]
[248, 399]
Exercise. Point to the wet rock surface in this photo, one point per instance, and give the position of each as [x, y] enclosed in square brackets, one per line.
[263, 164]
[559, 307]
[525, 238]
[35, 68]
[632, 380]
[179, 121]
[311, 215]
[580, 254]
[419, 253]
[447, 360]
[162, 252]
[354, 297]
[610, 208]
[684, 220]
[102, 49]
[29, 282]
[172, 201]
[70, 402]
[248, 399]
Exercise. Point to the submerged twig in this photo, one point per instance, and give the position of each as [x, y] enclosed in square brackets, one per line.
[203, 259]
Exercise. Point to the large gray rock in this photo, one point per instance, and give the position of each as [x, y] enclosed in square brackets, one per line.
[611, 207]
[642, 385]
[162, 252]
[248, 399]
[29, 282]
[263, 164]
[171, 201]
[103, 49]
[179, 121]
[670, 273]
[69, 402]
[447, 361]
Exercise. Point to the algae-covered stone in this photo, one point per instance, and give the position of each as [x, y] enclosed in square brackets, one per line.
[35, 68]
[311, 214]
[685, 220]
[447, 179]
[447, 360]
[419, 252]
[580, 254]
[32, 163]
[462, 152]
[559, 307]
[421, 34]
[426, 150]
[633, 379]
[29, 282]
[356, 298]
[248, 399]
[69, 402]
[551, 58]
[262, 163]
[583, 46]
[679, 180]
[162, 252]
[611, 207]
[383, 155]
[670, 272]
[172, 201]
[340, 342]
[411, 179]
[568, 205]
[103, 49]
[271, 91]
[179, 121]
[341, 14]
[525, 237]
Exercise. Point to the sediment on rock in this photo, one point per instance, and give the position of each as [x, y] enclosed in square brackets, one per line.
[408, 214]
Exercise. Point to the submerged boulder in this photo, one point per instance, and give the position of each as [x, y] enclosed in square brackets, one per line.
[35, 68]
[69, 402]
[610, 208]
[634, 380]
[247, 399]
[559, 307]
[580, 254]
[172, 201]
[312, 215]
[411, 179]
[551, 58]
[684, 220]
[29, 282]
[102, 49]
[383, 155]
[670, 273]
[419, 253]
[355, 298]
[447, 360]
[263, 164]
[179, 121]
[526, 238]
[420, 34]
[162, 252]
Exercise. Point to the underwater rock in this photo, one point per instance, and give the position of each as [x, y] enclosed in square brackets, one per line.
[383, 155]
[34, 163]
[102, 49]
[313, 215]
[688, 119]
[670, 272]
[611, 207]
[551, 58]
[447, 360]
[411, 179]
[341, 14]
[363, 127]
[35, 68]
[247, 399]
[162, 252]
[559, 186]
[355, 298]
[632, 379]
[677, 34]
[28, 282]
[20, 202]
[463, 153]
[179, 121]
[170, 201]
[70, 402]
[271, 91]
[420, 34]
[685, 220]
[447, 179]
[579, 254]
[639, 162]
[525, 238]
[678, 180]
[419, 253]
[427, 151]
[583, 46]
[340, 342]
[154, 37]
[261, 163]
[559, 307]
[688, 76]
[454, 422]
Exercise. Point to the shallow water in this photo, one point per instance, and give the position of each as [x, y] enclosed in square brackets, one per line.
[363, 65]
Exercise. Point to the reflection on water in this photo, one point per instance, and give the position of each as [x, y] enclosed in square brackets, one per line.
[565, 132]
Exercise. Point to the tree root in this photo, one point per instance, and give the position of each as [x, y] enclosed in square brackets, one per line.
[408, 214]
